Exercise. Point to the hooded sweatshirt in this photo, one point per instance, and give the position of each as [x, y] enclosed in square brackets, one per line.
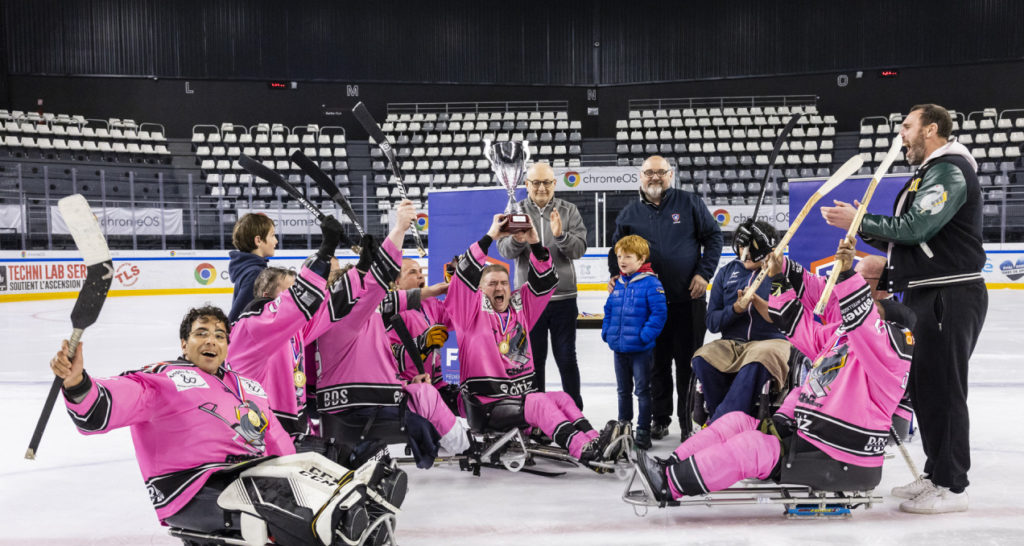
[243, 269]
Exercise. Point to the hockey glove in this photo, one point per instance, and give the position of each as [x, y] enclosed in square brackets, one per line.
[368, 249]
[333, 234]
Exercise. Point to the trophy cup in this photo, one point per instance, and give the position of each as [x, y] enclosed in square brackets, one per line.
[508, 161]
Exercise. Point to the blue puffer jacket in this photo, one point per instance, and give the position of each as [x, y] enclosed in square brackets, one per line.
[634, 313]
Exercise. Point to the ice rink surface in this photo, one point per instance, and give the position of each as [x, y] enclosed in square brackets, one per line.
[88, 490]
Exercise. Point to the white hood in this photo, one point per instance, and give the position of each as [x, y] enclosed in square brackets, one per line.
[954, 148]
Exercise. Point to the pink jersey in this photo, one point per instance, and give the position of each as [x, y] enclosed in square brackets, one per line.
[268, 344]
[357, 368]
[430, 312]
[845, 405]
[183, 423]
[485, 369]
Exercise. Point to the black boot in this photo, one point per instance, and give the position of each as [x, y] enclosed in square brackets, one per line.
[659, 431]
[652, 472]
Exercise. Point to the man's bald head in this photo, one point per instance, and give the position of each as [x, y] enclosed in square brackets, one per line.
[540, 183]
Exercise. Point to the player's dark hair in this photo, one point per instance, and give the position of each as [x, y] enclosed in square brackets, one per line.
[194, 313]
[933, 113]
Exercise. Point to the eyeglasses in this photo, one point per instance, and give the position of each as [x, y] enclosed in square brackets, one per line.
[658, 173]
[537, 183]
[204, 334]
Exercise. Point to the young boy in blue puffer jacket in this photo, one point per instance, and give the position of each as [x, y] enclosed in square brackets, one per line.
[633, 317]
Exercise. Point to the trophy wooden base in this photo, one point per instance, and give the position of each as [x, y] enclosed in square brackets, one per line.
[517, 223]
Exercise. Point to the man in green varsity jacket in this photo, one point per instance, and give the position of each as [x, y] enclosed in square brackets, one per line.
[934, 256]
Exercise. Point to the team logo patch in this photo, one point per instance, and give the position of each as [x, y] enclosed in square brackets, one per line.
[933, 199]
[252, 387]
[187, 379]
[675, 218]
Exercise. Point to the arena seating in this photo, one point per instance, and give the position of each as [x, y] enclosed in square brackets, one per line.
[217, 148]
[444, 149]
[74, 137]
[722, 151]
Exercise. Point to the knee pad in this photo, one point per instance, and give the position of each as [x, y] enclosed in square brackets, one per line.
[686, 478]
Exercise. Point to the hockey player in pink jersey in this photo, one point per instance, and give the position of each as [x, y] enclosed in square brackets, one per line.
[196, 425]
[428, 325]
[492, 324]
[359, 378]
[272, 331]
[830, 432]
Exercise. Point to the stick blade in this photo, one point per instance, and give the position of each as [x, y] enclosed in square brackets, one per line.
[842, 173]
[890, 157]
[84, 228]
[365, 119]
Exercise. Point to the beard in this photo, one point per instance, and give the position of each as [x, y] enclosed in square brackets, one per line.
[915, 151]
[654, 192]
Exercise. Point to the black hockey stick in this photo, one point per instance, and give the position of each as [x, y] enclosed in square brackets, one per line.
[85, 229]
[780, 139]
[370, 125]
[260, 170]
[410, 346]
[327, 185]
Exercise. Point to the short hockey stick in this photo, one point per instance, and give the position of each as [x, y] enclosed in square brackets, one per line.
[370, 125]
[837, 178]
[85, 229]
[894, 152]
[905, 453]
[410, 346]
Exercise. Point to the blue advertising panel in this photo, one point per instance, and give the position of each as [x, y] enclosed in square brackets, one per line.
[458, 218]
[814, 245]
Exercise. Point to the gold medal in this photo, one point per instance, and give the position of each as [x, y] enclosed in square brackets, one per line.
[300, 379]
[254, 418]
[503, 347]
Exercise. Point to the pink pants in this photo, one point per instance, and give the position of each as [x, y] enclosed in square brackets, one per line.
[557, 415]
[425, 401]
[729, 450]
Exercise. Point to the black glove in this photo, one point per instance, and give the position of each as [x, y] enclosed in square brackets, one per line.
[333, 234]
[763, 239]
[368, 249]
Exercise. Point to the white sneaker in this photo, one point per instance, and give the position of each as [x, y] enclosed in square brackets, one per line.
[913, 489]
[938, 500]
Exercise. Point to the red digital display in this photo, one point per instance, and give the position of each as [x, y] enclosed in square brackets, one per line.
[281, 85]
[888, 73]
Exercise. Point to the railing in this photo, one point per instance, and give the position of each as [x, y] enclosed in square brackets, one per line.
[494, 106]
[723, 102]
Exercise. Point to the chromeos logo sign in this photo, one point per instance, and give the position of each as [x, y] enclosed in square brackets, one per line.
[721, 216]
[422, 222]
[572, 179]
[205, 274]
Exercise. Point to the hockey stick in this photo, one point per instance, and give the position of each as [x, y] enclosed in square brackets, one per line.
[837, 178]
[85, 229]
[370, 125]
[905, 453]
[779, 141]
[327, 185]
[890, 157]
[410, 346]
[260, 170]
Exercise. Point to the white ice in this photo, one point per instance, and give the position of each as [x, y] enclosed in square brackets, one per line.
[88, 490]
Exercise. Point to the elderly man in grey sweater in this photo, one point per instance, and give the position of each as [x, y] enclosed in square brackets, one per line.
[561, 230]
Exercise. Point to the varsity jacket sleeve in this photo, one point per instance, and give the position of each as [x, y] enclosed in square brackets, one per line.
[710, 237]
[657, 311]
[573, 242]
[719, 313]
[940, 194]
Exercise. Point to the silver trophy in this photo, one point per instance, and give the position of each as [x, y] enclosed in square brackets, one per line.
[508, 161]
